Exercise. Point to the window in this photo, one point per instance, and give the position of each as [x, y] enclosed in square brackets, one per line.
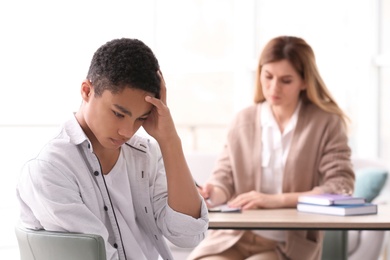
[205, 50]
[383, 63]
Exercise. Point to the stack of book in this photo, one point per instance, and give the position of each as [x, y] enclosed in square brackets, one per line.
[335, 204]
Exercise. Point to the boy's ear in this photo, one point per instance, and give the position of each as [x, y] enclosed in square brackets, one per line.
[86, 90]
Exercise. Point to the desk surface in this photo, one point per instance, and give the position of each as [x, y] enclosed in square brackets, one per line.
[293, 219]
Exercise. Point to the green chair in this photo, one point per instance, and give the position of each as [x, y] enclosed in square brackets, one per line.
[371, 177]
[50, 245]
[335, 245]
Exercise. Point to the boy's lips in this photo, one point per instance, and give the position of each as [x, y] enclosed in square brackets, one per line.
[118, 142]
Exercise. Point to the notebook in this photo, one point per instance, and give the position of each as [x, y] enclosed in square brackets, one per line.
[331, 199]
[225, 208]
[341, 210]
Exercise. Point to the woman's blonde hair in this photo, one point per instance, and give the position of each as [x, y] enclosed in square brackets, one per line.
[302, 58]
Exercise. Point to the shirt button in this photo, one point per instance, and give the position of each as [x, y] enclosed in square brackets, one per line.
[116, 245]
[96, 173]
[89, 146]
[105, 208]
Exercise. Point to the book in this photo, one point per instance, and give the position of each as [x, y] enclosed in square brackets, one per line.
[331, 199]
[341, 210]
[225, 208]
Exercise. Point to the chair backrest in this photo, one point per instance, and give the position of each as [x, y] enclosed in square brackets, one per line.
[50, 245]
[371, 175]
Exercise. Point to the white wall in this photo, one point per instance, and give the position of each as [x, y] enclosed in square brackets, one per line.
[208, 51]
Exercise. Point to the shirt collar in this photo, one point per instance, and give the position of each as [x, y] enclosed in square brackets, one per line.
[74, 132]
[268, 119]
[293, 120]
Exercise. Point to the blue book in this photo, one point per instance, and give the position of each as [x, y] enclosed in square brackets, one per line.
[341, 210]
[331, 199]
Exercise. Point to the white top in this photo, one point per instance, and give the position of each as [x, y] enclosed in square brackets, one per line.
[275, 147]
[62, 189]
[118, 185]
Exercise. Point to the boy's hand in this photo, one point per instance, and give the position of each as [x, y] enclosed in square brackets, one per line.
[159, 123]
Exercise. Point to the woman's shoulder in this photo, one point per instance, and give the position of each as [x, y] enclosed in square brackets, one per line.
[247, 114]
[315, 111]
[313, 115]
[246, 119]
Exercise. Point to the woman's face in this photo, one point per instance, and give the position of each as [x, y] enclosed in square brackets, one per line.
[281, 84]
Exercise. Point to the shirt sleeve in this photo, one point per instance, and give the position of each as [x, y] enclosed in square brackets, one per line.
[183, 230]
[52, 197]
[180, 229]
[335, 164]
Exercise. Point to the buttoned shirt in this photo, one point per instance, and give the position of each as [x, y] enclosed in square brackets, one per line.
[63, 189]
[275, 148]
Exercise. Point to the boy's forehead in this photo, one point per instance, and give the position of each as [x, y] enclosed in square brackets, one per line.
[128, 100]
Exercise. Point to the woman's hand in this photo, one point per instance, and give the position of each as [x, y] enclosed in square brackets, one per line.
[206, 192]
[212, 194]
[257, 200]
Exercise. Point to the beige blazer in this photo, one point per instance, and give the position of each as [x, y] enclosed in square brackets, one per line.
[319, 156]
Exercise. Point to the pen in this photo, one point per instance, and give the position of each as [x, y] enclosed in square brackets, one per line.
[197, 185]
[200, 187]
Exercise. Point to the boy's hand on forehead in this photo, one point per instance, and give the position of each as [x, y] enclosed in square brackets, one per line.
[163, 88]
[159, 123]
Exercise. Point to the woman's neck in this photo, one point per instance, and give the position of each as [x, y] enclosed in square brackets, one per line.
[283, 115]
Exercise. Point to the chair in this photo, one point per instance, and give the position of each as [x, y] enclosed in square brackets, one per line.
[371, 183]
[50, 245]
[335, 245]
[371, 177]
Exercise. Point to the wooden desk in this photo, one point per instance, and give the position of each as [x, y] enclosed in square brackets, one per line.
[293, 219]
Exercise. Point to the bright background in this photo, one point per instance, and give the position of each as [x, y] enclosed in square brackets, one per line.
[208, 51]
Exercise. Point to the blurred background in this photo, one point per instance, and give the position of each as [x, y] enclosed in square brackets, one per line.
[208, 52]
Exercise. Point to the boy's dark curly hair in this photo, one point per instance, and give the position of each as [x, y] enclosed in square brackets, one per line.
[124, 63]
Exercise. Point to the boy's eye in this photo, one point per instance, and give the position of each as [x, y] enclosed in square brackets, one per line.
[117, 114]
[142, 118]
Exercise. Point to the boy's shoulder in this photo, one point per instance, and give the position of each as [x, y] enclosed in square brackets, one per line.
[142, 143]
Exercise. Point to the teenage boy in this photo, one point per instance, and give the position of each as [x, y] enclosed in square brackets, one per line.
[98, 176]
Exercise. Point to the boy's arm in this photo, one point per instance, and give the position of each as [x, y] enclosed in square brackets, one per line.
[182, 193]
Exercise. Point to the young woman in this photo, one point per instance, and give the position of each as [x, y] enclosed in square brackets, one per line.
[291, 142]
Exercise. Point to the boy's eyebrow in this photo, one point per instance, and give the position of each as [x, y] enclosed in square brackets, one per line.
[123, 110]
[127, 112]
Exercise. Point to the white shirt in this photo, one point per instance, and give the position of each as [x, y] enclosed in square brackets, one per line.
[118, 185]
[275, 148]
[62, 189]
